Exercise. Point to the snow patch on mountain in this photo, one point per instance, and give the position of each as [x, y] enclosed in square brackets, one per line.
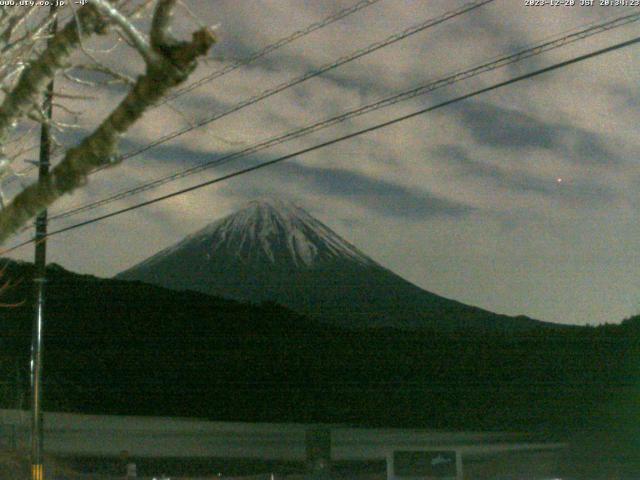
[273, 230]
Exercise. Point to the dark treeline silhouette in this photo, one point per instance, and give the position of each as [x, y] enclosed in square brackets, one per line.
[117, 347]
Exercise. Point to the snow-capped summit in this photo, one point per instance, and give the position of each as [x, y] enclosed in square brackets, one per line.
[273, 250]
[275, 231]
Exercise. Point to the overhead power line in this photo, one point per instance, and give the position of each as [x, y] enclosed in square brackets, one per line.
[396, 37]
[385, 102]
[349, 136]
[271, 48]
[361, 5]
[307, 76]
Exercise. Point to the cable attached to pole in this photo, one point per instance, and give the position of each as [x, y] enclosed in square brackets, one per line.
[39, 279]
[535, 73]
[458, 76]
[378, 126]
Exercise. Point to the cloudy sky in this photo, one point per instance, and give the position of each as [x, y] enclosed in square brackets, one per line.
[523, 200]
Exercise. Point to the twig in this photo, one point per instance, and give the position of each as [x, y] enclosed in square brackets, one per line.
[37, 74]
[134, 36]
[170, 65]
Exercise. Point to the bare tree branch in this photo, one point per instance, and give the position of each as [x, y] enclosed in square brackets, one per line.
[133, 35]
[116, 77]
[171, 64]
[36, 76]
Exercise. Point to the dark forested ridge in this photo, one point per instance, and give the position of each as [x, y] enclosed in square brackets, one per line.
[130, 348]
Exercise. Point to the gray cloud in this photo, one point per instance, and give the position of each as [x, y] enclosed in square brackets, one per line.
[586, 192]
[499, 127]
[627, 96]
[510, 39]
[381, 196]
[166, 152]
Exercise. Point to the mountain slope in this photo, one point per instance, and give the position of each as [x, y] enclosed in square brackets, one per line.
[121, 347]
[274, 251]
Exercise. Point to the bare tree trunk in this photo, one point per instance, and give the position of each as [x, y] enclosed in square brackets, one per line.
[168, 64]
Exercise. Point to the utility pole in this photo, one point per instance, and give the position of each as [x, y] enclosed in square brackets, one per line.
[39, 279]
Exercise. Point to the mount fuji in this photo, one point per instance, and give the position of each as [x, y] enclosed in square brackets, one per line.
[272, 250]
